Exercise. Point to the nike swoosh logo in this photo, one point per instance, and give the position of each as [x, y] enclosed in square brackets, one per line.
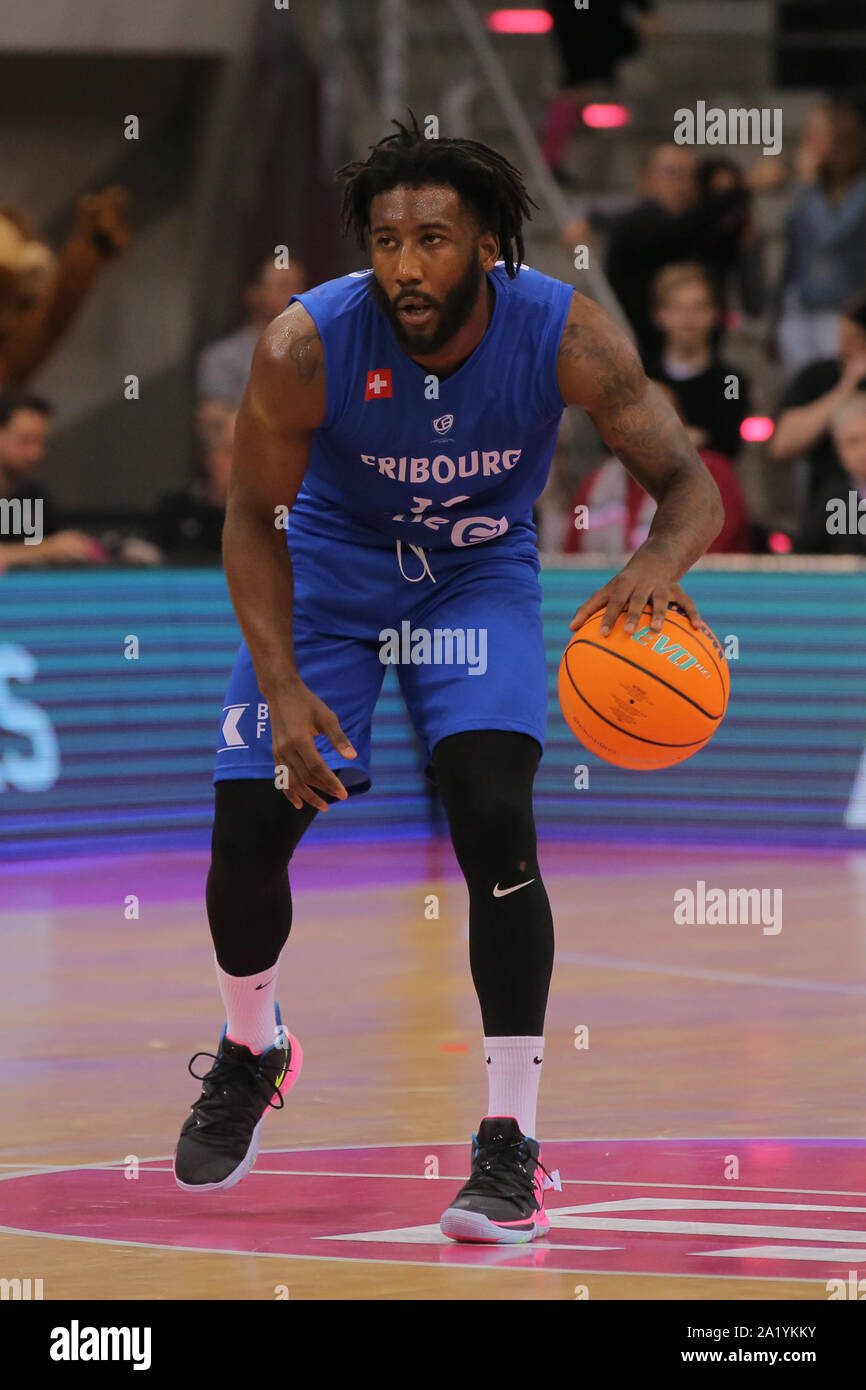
[265, 985]
[503, 892]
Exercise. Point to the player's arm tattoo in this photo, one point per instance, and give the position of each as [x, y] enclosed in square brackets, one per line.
[599, 370]
[308, 356]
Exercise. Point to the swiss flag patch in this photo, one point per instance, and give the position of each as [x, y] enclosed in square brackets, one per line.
[378, 384]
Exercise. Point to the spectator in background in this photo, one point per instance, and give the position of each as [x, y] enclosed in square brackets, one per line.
[662, 229]
[686, 313]
[592, 42]
[618, 511]
[732, 250]
[825, 259]
[550, 508]
[24, 425]
[224, 367]
[818, 535]
[617, 517]
[188, 525]
[688, 212]
[812, 399]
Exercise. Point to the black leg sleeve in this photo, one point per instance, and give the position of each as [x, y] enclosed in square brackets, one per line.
[485, 778]
[249, 901]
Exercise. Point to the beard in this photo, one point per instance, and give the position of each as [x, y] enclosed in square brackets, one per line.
[452, 311]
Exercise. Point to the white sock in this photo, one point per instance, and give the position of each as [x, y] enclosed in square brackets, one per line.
[250, 1007]
[513, 1074]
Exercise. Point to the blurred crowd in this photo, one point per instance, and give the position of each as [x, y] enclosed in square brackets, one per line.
[687, 263]
[186, 525]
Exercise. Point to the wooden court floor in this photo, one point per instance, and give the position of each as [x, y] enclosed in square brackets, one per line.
[702, 1093]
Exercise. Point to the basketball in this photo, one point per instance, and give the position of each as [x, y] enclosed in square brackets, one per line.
[647, 699]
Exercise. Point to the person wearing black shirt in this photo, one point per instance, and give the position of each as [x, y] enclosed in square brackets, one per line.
[592, 42]
[24, 424]
[688, 214]
[817, 393]
[188, 525]
[834, 520]
[712, 397]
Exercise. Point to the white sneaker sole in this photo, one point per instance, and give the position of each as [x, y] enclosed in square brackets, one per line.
[245, 1166]
[474, 1226]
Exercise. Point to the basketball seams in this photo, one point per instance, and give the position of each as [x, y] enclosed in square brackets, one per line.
[711, 653]
[717, 718]
[696, 744]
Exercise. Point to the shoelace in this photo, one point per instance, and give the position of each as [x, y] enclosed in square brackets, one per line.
[226, 1085]
[491, 1177]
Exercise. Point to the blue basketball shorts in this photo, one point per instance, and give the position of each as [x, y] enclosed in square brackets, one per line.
[462, 627]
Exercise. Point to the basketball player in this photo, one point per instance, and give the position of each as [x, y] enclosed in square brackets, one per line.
[407, 415]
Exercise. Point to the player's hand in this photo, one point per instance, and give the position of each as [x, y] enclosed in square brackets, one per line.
[297, 716]
[646, 579]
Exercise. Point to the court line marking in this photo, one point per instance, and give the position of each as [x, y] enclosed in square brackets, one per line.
[732, 977]
[573, 1182]
[793, 1252]
[509, 1251]
[430, 1234]
[117, 1164]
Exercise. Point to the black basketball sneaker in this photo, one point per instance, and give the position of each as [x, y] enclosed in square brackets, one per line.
[219, 1140]
[503, 1200]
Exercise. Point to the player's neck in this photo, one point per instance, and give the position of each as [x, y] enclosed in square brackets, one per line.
[451, 358]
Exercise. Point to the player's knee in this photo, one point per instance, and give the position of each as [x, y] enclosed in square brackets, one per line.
[254, 828]
[490, 764]
[491, 826]
[485, 780]
[488, 836]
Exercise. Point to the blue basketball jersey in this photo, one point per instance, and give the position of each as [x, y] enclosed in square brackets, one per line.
[434, 462]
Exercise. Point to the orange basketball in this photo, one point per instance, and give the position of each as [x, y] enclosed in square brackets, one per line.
[645, 700]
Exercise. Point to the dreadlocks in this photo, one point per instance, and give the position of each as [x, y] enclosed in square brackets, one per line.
[485, 180]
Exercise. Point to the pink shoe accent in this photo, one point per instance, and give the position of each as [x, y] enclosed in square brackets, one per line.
[294, 1070]
[295, 1064]
[542, 1217]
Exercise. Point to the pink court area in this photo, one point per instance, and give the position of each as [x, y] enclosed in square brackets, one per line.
[702, 1089]
[627, 1206]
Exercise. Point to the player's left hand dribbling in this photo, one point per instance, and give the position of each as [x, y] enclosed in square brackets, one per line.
[646, 579]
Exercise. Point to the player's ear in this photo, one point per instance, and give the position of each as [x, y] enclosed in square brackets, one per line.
[488, 250]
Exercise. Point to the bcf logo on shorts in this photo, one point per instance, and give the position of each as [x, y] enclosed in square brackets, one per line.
[232, 736]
